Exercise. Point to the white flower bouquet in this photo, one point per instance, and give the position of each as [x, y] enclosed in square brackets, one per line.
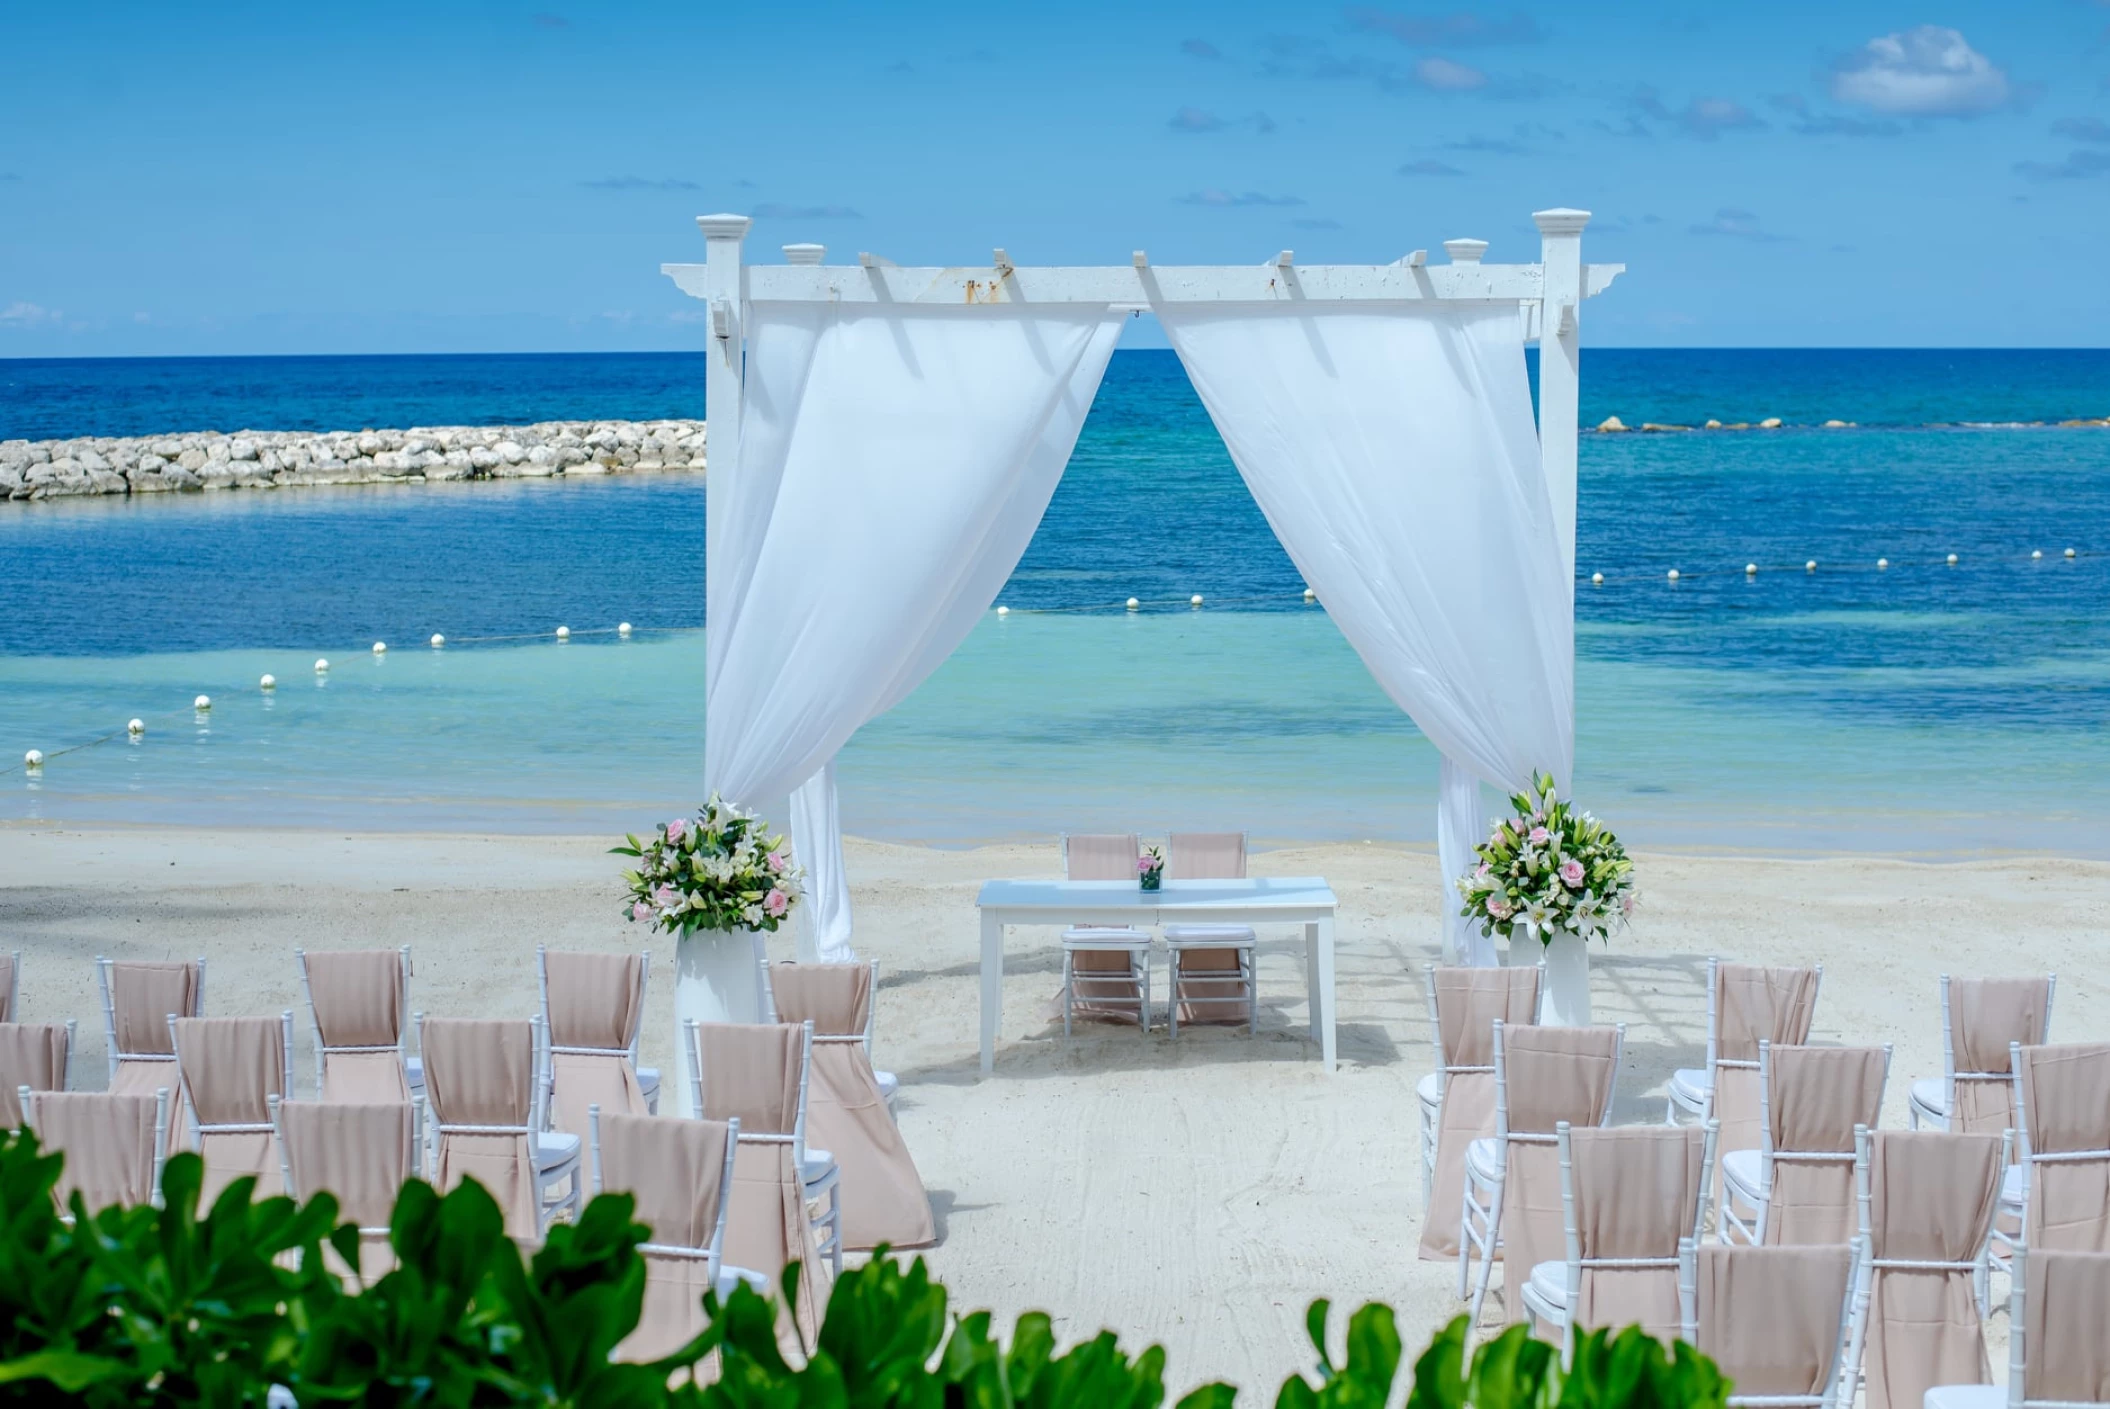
[724, 871]
[1549, 868]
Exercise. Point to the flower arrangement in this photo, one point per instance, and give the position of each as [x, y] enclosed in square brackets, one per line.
[724, 871]
[1150, 868]
[1549, 868]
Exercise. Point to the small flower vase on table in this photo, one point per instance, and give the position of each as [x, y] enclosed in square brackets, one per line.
[1150, 869]
[1548, 881]
[718, 884]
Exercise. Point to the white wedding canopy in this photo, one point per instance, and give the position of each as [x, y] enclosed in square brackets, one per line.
[884, 441]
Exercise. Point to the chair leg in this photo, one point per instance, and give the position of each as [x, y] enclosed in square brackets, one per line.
[1145, 1009]
[1487, 1252]
[1172, 997]
[1250, 962]
[1069, 984]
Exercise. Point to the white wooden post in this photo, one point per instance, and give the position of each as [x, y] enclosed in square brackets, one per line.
[1560, 369]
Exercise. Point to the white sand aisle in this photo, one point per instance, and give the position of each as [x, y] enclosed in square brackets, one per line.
[1199, 1194]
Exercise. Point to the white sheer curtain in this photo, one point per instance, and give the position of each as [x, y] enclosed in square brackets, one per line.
[1394, 452]
[892, 464]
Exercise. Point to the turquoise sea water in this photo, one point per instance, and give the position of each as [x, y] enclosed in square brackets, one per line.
[1918, 708]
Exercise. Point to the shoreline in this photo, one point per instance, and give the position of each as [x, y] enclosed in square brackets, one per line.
[195, 461]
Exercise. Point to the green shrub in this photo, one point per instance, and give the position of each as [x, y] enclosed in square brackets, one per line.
[150, 1306]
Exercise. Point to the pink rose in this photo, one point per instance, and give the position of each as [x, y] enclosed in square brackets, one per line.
[776, 863]
[1540, 836]
[641, 911]
[1571, 873]
[677, 829]
[776, 903]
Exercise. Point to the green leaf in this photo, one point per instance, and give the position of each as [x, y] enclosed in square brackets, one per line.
[68, 1370]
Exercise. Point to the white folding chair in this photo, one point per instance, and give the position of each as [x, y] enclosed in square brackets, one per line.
[2054, 1343]
[1487, 1174]
[1749, 1176]
[92, 1117]
[889, 1083]
[557, 1156]
[712, 1253]
[647, 1077]
[2022, 1183]
[1226, 952]
[144, 1025]
[412, 1069]
[1085, 948]
[820, 1178]
[30, 1059]
[1933, 1097]
[1691, 1090]
[1836, 1379]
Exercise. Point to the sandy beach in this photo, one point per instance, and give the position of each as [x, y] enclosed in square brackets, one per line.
[1198, 1193]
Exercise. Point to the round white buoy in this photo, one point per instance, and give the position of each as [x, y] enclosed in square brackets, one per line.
[438, 640]
[1195, 600]
[322, 667]
[622, 628]
[2070, 553]
[2036, 553]
[269, 682]
[564, 633]
[1810, 566]
[33, 759]
[1952, 560]
[1597, 579]
[1310, 596]
[137, 726]
[380, 648]
[1882, 563]
[1134, 605]
[202, 702]
[1750, 569]
[1003, 611]
[1672, 574]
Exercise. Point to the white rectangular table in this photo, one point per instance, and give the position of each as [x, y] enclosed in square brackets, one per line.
[1267, 900]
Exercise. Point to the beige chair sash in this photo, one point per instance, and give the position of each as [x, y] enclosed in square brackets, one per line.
[1932, 1198]
[1468, 1004]
[1986, 1016]
[2065, 1094]
[108, 1142]
[1770, 1317]
[1553, 1074]
[1818, 1095]
[479, 1079]
[32, 1055]
[2066, 1307]
[1637, 1193]
[231, 1068]
[675, 1169]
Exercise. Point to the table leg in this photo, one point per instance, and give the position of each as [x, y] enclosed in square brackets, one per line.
[992, 987]
[1326, 992]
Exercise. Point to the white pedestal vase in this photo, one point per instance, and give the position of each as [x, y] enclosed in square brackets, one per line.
[1564, 980]
[717, 979]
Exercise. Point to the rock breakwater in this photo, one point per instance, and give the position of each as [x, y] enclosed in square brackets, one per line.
[202, 460]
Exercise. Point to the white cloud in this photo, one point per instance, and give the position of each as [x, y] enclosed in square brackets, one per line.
[1929, 71]
[26, 315]
[1446, 76]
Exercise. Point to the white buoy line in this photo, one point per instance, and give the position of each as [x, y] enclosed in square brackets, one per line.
[1753, 570]
[135, 729]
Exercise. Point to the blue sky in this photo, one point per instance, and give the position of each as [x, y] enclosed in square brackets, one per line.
[508, 176]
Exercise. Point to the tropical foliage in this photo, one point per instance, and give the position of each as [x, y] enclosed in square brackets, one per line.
[724, 871]
[1548, 868]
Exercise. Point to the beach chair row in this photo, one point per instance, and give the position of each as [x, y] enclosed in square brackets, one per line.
[1844, 1255]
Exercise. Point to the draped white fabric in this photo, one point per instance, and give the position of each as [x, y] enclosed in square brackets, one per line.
[1393, 450]
[1461, 825]
[891, 465]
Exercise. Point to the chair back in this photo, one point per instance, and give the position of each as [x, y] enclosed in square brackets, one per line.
[1110, 857]
[1928, 1208]
[358, 1004]
[138, 998]
[114, 1144]
[679, 1171]
[2062, 1302]
[593, 1006]
[1629, 1196]
[835, 998]
[483, 1079]
[1753, 1004]
[1205, 856]
[1465, 1004]
[10, 986]
[593, 1002]
[1546, 1075]
[1982, 1018]
[2063, 1125]
[34, 1055]
[231, 1069]
[1812, 1101]
[755, 1073]
[361, 1152]
[1778, 1321]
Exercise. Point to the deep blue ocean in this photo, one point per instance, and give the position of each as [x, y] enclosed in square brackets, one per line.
[1919, 707]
